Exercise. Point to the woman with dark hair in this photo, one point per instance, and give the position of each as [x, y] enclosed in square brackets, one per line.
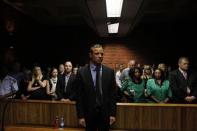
[158, 88]
[52, 83]
[164, 68]
[133, 86]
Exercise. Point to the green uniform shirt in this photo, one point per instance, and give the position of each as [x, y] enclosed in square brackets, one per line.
[160, 92]
[129, 85]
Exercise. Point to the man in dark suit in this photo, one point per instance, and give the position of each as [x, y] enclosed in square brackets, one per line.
[183, 83]
[65, 85]
[96, 97]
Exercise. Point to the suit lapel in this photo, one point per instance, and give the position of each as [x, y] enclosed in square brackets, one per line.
[70, 79]
[183, 80]
[104, 76]
[69, 82]
[63, 82]
[181, 75]
[89, 76]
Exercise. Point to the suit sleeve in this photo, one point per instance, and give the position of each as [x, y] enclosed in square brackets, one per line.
[176, 90]
[113, 95]
[58, 89]
[73, 89]
[194, 85]
[79, 97]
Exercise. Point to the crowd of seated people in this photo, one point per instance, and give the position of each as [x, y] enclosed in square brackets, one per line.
[157, 84]
[136, 83]
[38, 84]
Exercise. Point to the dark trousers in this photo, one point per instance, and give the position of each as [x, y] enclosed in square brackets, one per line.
[97, 121]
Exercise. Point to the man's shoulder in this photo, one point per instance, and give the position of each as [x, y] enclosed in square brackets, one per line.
[9, 78]
[86, 68]
[61, 77]
[126, 70]
[174, 72]
[107, 68]
[83, 68]
[72, 75]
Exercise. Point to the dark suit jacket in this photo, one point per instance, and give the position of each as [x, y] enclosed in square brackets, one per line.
[179, 85]
[70, 91]
[86, 96]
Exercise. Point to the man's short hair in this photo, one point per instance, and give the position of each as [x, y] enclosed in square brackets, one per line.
[183, 58]
[95, 46]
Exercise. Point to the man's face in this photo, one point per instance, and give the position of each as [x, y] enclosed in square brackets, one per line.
[132, 64]
[61, 68]
[162, 67]
[75, 70]
[96, 55]
[68, 67]
[184, 64]
[121, 67]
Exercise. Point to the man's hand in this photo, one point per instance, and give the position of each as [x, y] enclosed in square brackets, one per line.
[132, 92]
[190, 98]
[65, 100]
[112, 120]
[82, 122]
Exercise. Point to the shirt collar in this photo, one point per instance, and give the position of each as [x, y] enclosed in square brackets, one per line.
[182, 71]
[68, 75]
[93, 67]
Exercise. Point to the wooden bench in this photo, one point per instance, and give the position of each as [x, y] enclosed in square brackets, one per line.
[130, 116]
[25, 128]
[32, 128]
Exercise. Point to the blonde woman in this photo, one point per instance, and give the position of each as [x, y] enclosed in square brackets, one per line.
[37, 86]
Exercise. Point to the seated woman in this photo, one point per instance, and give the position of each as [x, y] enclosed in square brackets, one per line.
[133, 87]
[164, 68]
[158, 88]
[147, 72]
[52, 83]
[146, 75]
[37, 86]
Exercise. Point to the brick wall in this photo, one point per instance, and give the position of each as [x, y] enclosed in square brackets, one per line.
[120, 53]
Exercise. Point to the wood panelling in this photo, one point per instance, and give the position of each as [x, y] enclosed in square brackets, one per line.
[23, 128]
[40, 112]
[28, 128]
[180, 117]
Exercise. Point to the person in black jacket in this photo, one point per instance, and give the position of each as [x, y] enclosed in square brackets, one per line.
[96, 97]
[183, 83]
[65, 84]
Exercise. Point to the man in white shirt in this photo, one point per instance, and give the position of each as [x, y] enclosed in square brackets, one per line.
[8, 86]
[118, 82]
[125, 72]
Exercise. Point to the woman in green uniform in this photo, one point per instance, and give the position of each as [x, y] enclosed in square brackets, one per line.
[133, 86]
[158, 88]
